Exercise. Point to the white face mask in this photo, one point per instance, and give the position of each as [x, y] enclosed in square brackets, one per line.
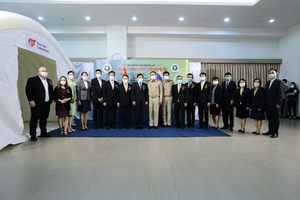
[202, 78]
[166, 77]
[44, 74]
[215, 82]
[98, 75]
[140, 80]
[256, 84]
[153, 77]
[179, 81]
[111, 78]
[62, 82]
[242, 84]
[125, 81]
[292, 86]
[71, 77]
[84, 78]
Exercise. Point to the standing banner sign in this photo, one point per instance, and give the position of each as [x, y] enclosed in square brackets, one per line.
[38, 46]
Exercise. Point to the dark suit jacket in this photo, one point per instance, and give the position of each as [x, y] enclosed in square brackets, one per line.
[243, 99]
[140, 96]
[35, 90]
[109, 94]
[96, 90]
[181, 96]
[228, 94]
[124, 98]
[259, 99]
[204, 95]
[192, 92]
[218, 94]
[274, 95]
[58, 95]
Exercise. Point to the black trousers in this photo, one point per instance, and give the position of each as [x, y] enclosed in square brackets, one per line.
[273, 119]
[292, 106]
[190, 113]
[179, 114]
[203, 110]
[98, 112]
[124, 115]
[139, 115]
[39, 112]
[282, 107]
[111, 110]
[227, 111]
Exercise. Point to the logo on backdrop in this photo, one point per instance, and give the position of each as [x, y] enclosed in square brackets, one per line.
[174, 68]
[31, 42]
[38, 46]
[107, 68]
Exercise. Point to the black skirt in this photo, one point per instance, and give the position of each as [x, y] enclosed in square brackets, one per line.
[256, 114]
[241, 112]
[214, 110]
[85, 106]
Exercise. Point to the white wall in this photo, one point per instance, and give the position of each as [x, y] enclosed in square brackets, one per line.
[289, 51]
[166, 47]
[83, 46]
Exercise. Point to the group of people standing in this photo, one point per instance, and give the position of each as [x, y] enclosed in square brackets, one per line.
[184, 97]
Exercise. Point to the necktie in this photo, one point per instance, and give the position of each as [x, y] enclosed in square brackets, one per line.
[202, 83]
[189, 84]
[178, 88]
[255, 92]
[227, 83]
[126, 87]
[100, 83]
[271, 83]
[112, 84]
[140, 86]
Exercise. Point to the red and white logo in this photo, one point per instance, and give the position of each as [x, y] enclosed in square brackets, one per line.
[31, 42]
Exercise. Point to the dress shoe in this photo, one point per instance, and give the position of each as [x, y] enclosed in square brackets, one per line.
[257, 133]
[155, 127]
[141, 127]
[182, 126]
[113, 127]
[216, 127]
[169, 126]
[136, 127]
[205, 128]
[149, 127]
[231, 129]
[224, 127]
[177, 126]
[100, 126]
[108, 127]
[33, 139]
[45, 135]
[192, 126]
[254, 132]
[274, 135]
[241, 131]
[267, 133]
[165, 126]
[127, 127]
[188, 125]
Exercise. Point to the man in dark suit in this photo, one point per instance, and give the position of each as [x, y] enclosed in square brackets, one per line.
[110, 92]
[191, 104]
[124, 102]
[139, 98]
[228, 90]
[180, 99]
[97, 96]
[274, 96]
[39, 91]
[203, 100]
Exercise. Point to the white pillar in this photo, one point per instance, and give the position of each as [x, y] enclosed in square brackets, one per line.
[117, 41]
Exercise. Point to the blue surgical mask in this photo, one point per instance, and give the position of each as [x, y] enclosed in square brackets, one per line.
[227, 78]
[272, 76]
[189, 79]
[179, 81]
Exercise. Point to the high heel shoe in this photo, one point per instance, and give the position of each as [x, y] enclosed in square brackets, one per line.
[66, 133]
[86, 128]
[61, 132]
[72, 129]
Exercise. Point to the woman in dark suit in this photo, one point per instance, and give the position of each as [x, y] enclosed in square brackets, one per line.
[84, 99]
[258, 95]
[63, 95]
[216, 99]
[242, 103]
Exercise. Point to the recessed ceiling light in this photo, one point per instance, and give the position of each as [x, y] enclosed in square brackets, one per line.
[87, 18]
[181, 19]
[134, 18]
[227, 19]
[41, 18]
[272, 20]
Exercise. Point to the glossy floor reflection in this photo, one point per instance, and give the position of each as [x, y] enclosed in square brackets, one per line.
[241, 167]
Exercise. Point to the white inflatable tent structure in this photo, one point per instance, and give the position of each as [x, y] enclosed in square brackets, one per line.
[14, 30]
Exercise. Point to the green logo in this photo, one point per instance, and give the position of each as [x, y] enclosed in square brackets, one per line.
[174, 68]
[107, 68]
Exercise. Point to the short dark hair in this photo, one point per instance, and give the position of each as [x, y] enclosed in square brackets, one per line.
[70, 72]
[294, 84]
[111, 72]
[166, 72]
[98, 70]
[190, 74]
[178, 76]
[284, 80]
[258, 80]
[84, 73]
[227, 73]
[244, 81]
[125, 75]
[215, 78]
[272, 69]
[140, 74]
[153, 72]
[202, 73]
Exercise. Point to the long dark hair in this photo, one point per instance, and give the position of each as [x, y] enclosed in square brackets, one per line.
[59, 85]
[244, 81]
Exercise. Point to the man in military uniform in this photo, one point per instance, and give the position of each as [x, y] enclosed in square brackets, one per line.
[155, 92]
[167, 99]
